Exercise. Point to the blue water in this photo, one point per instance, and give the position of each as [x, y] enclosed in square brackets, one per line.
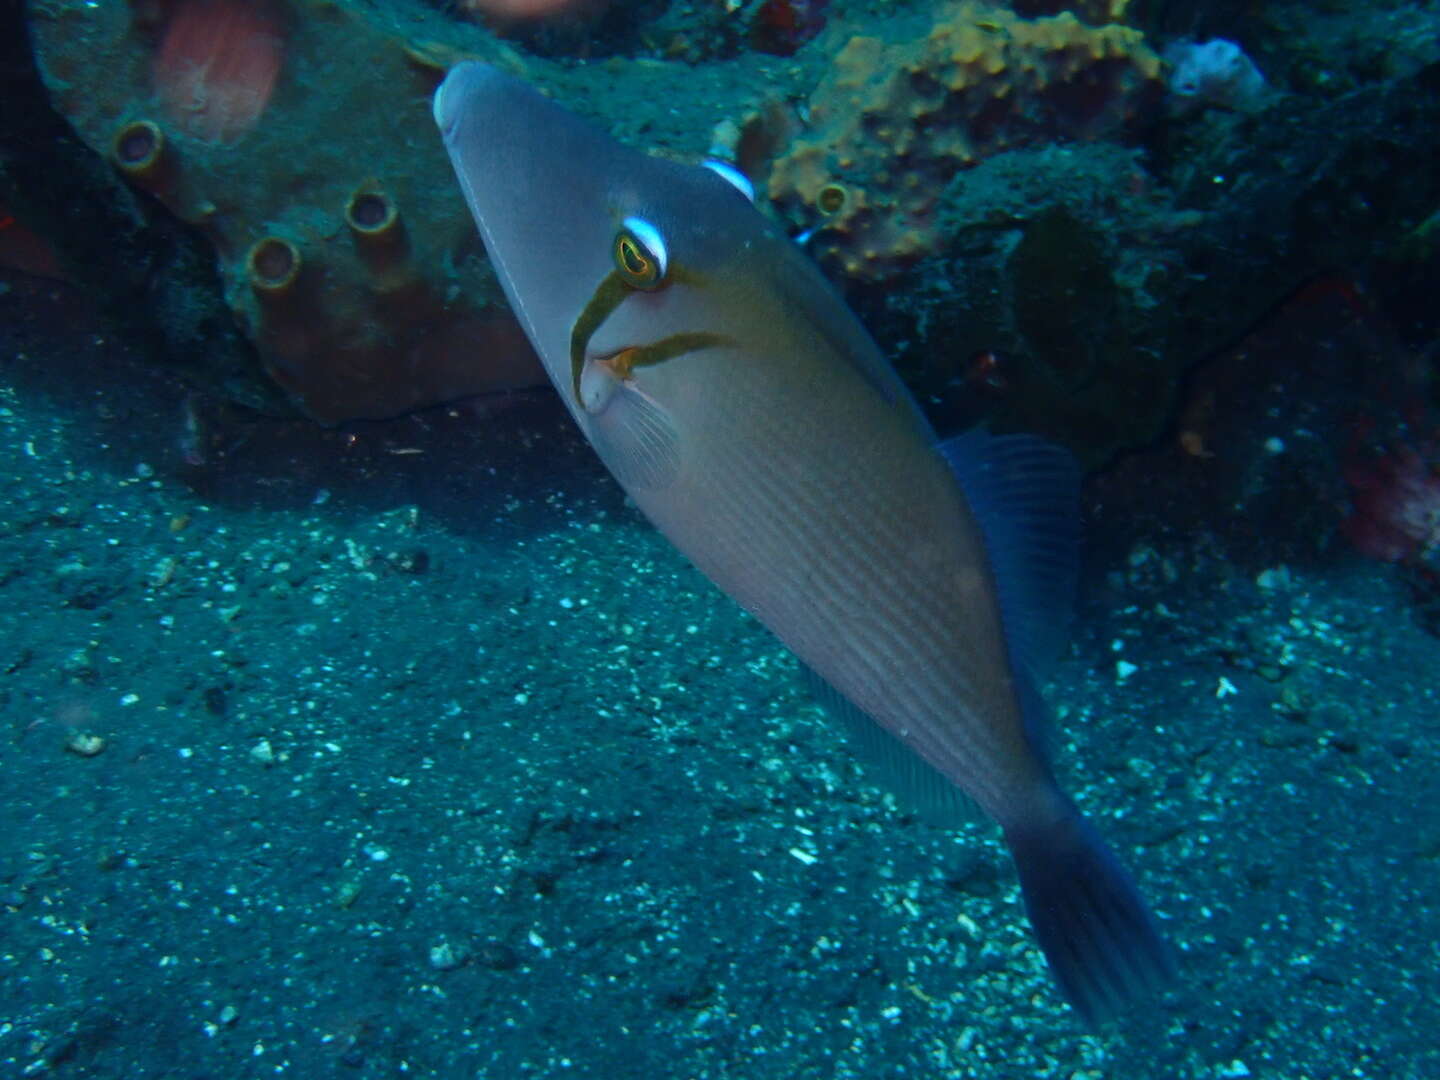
[409, 748]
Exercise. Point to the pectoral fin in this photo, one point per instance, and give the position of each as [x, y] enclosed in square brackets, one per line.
[633, 434]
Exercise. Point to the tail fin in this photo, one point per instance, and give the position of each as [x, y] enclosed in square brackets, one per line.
[1101, 942]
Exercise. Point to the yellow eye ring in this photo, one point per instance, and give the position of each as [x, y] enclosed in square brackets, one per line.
[639, 254]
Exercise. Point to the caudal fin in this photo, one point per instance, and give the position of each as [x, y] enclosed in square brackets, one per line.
[1101, 942]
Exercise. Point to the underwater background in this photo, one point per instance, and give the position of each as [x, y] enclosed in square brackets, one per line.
[357, 725]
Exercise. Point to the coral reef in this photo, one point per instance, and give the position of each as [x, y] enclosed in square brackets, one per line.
[1393, 485]
[1395, 505]
[693, 30]
[1216, 72]
[782, 26]
[968, 170]
[297, 137]
[896, 117]
[1042, 311]
[1094, 12]
[150, 279]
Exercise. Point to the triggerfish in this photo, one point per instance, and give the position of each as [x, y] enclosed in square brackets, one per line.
[748, 414]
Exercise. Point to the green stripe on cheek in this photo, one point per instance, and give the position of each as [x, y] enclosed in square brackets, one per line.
[669, 348]
[609, 296]
[612, 292]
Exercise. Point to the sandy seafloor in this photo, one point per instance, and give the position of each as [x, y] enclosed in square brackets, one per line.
[424, 756]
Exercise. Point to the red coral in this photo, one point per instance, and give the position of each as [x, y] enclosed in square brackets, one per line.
[1395, 504]
[782, 26]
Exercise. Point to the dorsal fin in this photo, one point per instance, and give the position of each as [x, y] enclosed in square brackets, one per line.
[1025, 495]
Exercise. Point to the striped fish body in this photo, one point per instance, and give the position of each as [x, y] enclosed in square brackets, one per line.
[822, 508]
[753, 420]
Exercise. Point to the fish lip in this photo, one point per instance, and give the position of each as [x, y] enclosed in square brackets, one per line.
[447, 104]
[443, 106]
[606, 360]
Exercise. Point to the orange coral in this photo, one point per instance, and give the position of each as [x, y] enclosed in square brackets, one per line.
[1095, 12]
[894, 120]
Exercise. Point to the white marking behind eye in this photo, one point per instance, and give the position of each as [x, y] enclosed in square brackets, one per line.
[738, 180]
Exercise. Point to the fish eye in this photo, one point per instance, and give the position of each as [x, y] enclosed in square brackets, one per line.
[639, 253]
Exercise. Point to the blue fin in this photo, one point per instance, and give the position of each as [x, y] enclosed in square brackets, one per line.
[1101, 942]
[915, 782]
[1025, 494]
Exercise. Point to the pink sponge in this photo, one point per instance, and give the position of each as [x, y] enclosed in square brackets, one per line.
[1394, 505]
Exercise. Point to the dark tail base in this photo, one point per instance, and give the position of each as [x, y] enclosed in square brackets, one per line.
[1100, 940]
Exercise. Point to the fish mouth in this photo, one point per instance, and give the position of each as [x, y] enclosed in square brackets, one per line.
[464, 79]
[602, 356]
[621, 363]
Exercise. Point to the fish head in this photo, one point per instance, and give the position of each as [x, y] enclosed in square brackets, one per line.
[652, 290]
[612, 258]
